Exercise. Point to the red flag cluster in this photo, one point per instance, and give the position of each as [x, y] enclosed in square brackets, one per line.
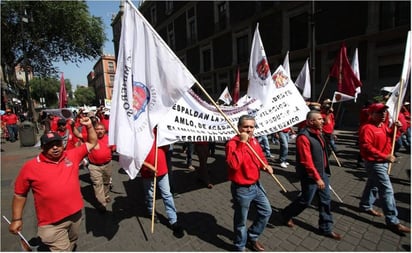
[342, 70]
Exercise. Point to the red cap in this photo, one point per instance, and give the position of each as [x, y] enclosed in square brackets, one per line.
[377, 107]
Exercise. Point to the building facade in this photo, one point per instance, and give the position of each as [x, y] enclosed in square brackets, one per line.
[102, 78]
[213, 39]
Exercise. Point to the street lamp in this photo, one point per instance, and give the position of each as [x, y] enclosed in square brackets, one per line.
[25, 19]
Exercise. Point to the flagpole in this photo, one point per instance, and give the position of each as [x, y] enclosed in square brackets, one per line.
[237, 132]
[25, 244]
[154, 186]
[323, 89]
[395, 128]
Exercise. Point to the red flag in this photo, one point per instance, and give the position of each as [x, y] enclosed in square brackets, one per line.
[342, 70]
[236, 89]
[62, 93]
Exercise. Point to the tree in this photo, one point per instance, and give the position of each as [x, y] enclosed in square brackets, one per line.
[84, 95]
[48, 88]
[45, 32]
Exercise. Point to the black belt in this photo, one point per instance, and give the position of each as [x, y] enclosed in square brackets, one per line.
[100, 164]
[244, 185]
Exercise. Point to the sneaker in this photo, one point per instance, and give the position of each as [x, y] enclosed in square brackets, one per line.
[270, 156]
[177, 230]
[283, 165]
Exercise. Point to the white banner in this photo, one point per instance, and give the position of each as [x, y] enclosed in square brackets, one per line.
[192, 119]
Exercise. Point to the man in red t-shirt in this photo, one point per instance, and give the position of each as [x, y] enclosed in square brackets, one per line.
[329, 124]
[11, 120]
[100, 167]
[375, 144]
[53, 177]
[244, 172]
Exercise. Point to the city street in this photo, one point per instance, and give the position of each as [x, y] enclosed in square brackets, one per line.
[206, 214]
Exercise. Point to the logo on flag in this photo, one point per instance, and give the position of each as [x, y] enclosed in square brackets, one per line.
[280, 79]
[338, 97]
[262, 70]
[141, 97]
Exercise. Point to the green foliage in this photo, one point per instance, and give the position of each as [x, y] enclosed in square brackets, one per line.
[54, 31]
[49, 89]
[84, 96]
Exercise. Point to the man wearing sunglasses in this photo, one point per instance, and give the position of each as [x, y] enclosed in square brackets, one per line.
[53, 177]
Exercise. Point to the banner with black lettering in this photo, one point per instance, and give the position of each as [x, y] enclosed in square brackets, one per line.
[192, 119]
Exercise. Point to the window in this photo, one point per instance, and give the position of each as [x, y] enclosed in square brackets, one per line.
[169, 7]
[191, 26]
[206, 58]
[171, 35]
[222, 15]
[242, 49]
[153, 15]
[394, 13]
[111, 81]
[299, 32]
[110, 66]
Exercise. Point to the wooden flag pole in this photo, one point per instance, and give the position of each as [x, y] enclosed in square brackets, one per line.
[237, 132]
[323, 89]
[395, 128]
[154, 187]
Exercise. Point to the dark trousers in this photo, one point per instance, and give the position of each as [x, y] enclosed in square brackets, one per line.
[309, 190]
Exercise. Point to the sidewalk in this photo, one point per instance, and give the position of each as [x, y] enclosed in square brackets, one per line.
[206, 214]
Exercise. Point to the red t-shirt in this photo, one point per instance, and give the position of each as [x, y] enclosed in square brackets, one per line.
[375, 142]
[55, 185]
[102, 153]
[329, 122]
[105, 122]
[10, 119]
[243, 165]
[161, 161]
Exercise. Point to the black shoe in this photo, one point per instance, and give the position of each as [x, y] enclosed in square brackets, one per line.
[177, 230]
[101, 209]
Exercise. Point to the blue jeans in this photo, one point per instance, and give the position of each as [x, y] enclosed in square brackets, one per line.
[309, 190]
[284, 146]
[242, 198]
[264, 143]
[164, 187]
[379, 184]
[13, 132]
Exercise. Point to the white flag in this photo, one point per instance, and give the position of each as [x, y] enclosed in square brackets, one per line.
[260, 79]
[340, 97]
[225, 96]
[149, 79]
[355, 68]
[398, 94]
[285, 64]
[303, 81]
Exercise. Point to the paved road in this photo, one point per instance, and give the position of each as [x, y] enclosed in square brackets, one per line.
[206, 214]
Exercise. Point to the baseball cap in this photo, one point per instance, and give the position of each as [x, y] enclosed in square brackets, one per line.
[377, 107]
[49, 137]
[107, 112]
